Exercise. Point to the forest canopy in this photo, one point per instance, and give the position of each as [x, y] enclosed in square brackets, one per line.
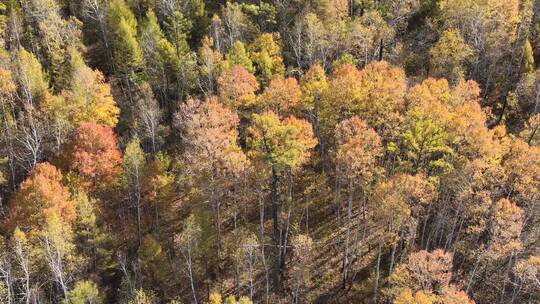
[269, 151]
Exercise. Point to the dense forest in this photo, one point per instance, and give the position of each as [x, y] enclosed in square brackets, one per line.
[269, 151]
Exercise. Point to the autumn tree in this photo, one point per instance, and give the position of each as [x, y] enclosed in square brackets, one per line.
[238, 55]
[237, 88]
[356, 162]
[526, 271]
[30, 76]
[31, 130]
[448, 55]
[148, 119]
[92, 152]
[493, 30]
[427, 275]
[312, 41]
[89, 97]
[278, 145]
[153, 261]
[167, 55]
[58, 252]
[266, 56]
[187, 242]
[530, 131]
[158, 189]
[282, 96]
[8, 88]
[39, 196]
[209, 66]
[52, 36]
[524, 101]
[527, 62]
[234, 25]
[158, 52]
[143, 297]
[425, 139]
[84, 292]
[506, 227]
[399, 204]
[247, 256]
[44, 209]
[92, 239]
[381, 92]
[302, 255]
[369, 35]
[314, 84]
[521, 166]
[133, 163]
[375, 94]
[209, 132]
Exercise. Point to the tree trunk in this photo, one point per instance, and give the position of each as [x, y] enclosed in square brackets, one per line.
[336, 200]
[5, 271]
[217, 215]
[250, 270]
[263, 255]
[23, 263]
[377, 274]
[276, 230]
[286, 238]
[473, 272]
[533, 134]
[287, 224]
[138, 202]
[190, 272]
[347, 234]
[237, 266]
[393, 256]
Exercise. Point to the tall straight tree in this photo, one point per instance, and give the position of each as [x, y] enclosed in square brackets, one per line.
[358, 149]
[278, 145]
[209, 133]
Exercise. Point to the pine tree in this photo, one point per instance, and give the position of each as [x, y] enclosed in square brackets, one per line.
[266, 56]
[122, 23]
[238, 55]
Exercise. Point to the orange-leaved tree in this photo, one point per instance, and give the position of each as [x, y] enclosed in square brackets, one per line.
[358, 148]
[39, 196]
[93, 153]
[209, 137]
[282, 96]
[237, 87]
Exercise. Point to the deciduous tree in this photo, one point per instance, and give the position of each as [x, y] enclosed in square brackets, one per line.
[282, 96]
[278, 145]
[39, 196]
[356, 162]
[93, 153]
[237, 88]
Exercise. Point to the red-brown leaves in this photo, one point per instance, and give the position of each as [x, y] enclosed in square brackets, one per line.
[237, 87]
[282, 96]
[507, 223]
[359, 148]
[39, 196]
[209, 135]
[93, 153]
